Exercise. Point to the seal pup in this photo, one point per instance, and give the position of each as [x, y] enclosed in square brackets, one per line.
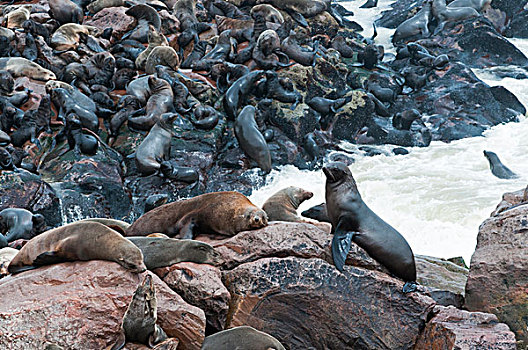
[241, 338]
[251, 140]
[155, 201]
[18, 223]
[156, 146]
[225, 213]
[160, 101]
[6, 255]
[283, 205]
[161, 252]
[353, 220]
[497, 168]
[139, 322]
[78, 241]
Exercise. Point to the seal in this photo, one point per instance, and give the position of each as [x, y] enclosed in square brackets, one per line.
[17, 16]
[206, 118]
[139, 322]
[353, 220]
[18, 223]
[66, 11]
[225, 213]
[317, 212]
[155, 39]
[238, 92]
[326, 106]
[479, 5]
[282, 206]
[20, 67]
[161, 252]
[156, 146]
[116, 225]
[306, 8]
[418, 24]
[159, 102]
[155, 201]
[497, 168]
[68, 36]
[270, 13]
[6, 255]
[78, 241]
[3, 241]
[161, 55]
[369, 4]
[446, 14]
[241, 338]
[98, 5]
[251, 139]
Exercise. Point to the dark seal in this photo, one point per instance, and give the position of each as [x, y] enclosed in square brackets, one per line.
[497, 168]
[353, 220]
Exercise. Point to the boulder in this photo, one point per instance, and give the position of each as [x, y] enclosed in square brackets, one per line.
[199, 285]
[510, 199]
[498, 276]
[309, 304]
[80, 305]
[25, 190]
[517, 27]
[451, 328]
[113, 17]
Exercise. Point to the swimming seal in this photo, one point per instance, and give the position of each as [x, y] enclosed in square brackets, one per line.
[18, 223]
[353, 220]
[251, 140]
[156, 146]
[78, 241]
[225, 213]
[497, 168]
[161, 252]
[282, 206]
[139, 322]
[241, 338]
[22, 67]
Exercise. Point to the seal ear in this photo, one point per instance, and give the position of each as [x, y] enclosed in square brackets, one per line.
[341, 246]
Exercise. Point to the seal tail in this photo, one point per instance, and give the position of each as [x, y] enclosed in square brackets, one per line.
[340, 247]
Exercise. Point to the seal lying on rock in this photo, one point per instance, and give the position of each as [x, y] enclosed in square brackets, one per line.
[161, 252]
[497, 168]
[353, 220]
[241, 338]
[282, 206]
[78, 241]
[6, 255]
[225, 213]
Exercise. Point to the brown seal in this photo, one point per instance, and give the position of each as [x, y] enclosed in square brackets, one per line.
[116, 225]
[155, 39]
[18, 223]
[78, 241]
[353, 220]
[66, 11]
[270, 13]
[155, 148]
[162, 55]
[225, 213]
[6, 255]
[282, 206]
[161, 252]
[68, 36]
[159, 102]
[21, 67]
[241, 338]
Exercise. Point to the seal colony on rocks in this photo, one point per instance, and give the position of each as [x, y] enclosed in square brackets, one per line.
[225, 213]
[353, 220]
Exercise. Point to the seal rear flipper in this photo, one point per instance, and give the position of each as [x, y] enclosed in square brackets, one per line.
[47, 258]
[120, 342]
[157, 336]
[17, 269]
[341, 246]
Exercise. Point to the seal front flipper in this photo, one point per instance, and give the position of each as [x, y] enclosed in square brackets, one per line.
[47, 258]
[341, 246]
[185, 227]
[120, 342]
[298, 18]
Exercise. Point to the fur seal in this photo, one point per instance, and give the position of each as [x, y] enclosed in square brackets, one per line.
[21, 67]
[161, 55]
[98, 5]
[68, 36]
[241, 338]
[479, 5]
[326, 106]
[497, 168]
[155, 201]
[306, 8]
[6, 255]
[156, 146]
[251, 140]
[353, 220]
[66, 11]
[270, 13]
[238, 92]
[282, 206]
[139, 322]
[161, 252]
[369, 4]
[225, 213]
[78, 241]
[418, 24]
[446, 14]
[155, 39]
[160, 101]
[206, 118]
[18, 223]
[317, 212]
[17, 16]
[116, 225]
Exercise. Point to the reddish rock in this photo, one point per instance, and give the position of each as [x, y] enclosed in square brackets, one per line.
[113, 17]
[169, 344]
[498, 276]
[80, 305]
[199, 285]
[308, 303]
[452, 328]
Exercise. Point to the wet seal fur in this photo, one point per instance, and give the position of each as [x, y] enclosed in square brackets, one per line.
[241, 338]
[497, 168]
[20, 224]
[418, 24]
[139, 322]
[78, 241]
[161, 252]
[282, 206]
[225, 213]
[353, 220]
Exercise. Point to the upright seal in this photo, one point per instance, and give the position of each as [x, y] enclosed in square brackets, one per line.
[497, 168]
[282, 206]
[353, 220]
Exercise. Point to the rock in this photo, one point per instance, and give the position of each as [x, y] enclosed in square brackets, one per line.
[113, 17]
[508, 100]
[309, 304]
[294, 123]
[498, 274]
[199, 285]
[509, 200]
[510, 7]
[517, 27]
[451, 328]
[25, 190]
[80, 305]
[445, 281]
[352, 116]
